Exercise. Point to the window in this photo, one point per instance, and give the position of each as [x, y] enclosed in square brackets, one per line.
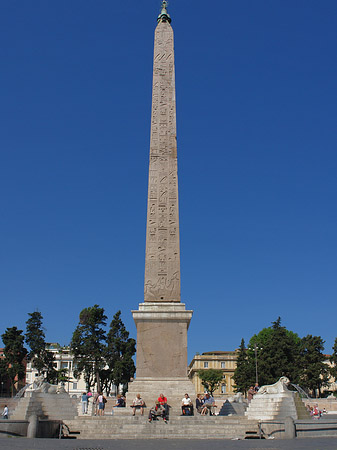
[64, 365]
[223, 365]
[74, 385]
[205, 365]
[223, 389]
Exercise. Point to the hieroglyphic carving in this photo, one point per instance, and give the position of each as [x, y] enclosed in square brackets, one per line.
[162, 263]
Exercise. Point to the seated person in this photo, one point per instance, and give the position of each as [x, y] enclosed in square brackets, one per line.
[199, 403]
[186, 406]
[138, 403]
[208, 405]
[120, 402]
[163, 402]
[156, 411]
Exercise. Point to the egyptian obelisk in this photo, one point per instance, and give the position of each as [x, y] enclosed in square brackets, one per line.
[162, 320]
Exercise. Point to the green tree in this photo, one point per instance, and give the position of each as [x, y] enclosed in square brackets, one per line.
[88, 345]
[14, 353]
[333, 360]
[41, 359]
[211, 379]
[244, 374]
[120, 350]
[315, 373]
[278, 354]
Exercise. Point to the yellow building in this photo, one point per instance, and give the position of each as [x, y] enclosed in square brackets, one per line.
[225, 361]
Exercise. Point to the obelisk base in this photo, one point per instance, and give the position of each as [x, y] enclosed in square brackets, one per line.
[161, 353]
[174, 390]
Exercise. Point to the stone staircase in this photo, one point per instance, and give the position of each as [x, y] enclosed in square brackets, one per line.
[45, 406]
[122, 425]
[277, 406]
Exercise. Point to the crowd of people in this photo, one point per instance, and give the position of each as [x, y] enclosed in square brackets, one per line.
[203, 405]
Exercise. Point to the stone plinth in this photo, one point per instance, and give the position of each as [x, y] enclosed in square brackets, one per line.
[161, 352]
[276, 406]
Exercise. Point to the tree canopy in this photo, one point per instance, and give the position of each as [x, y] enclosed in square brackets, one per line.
[41, 359]
[14, 353]
[277, 352]
[88, 345]
[211, 379]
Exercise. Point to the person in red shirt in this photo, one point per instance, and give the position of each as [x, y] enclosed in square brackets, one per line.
[163, 402]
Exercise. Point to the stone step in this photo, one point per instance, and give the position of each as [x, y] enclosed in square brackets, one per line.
[177, 427]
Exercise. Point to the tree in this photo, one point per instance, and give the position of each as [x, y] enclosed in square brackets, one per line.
[210, 379]
[315, 373]
[333, 360]
[14, 353]
[244, 372]
[278, 353]
[41, 359]
[120, 350]
[88, 345]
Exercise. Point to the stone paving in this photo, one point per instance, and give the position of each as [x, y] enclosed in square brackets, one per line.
[167, 444]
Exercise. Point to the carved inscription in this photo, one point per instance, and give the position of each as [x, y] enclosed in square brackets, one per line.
[162, 263]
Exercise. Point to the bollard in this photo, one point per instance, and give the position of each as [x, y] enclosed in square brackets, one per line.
[32, 427]
[289, 428]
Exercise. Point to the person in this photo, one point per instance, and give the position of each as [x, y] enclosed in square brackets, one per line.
[208, 405]
[316, 413]
[251, 393]
[138, 403]
[120, 402]
[156, 411]
[101, 404]
[5, 412]
[84, 400]
[186, 406]
[199, 403]
[163, 402]
[256, 387]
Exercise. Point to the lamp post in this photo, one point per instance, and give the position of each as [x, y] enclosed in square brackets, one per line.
[256, 348]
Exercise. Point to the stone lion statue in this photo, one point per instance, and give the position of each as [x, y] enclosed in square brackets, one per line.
[276, 388]
[46, 388]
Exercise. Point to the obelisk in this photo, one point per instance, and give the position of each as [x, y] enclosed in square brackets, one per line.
[162, 320]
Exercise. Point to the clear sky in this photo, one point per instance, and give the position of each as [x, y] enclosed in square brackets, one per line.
[256, 112]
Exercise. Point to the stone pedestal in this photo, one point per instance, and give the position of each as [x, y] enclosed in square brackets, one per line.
[276, 406]
[161, 353]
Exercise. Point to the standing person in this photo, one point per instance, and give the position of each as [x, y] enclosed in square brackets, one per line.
[251, 393]
[84, 400]
[256, 387]
[5, 412]
[163, 402]
[101, 400]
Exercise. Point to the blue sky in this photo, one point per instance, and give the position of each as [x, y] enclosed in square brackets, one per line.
[256, 112]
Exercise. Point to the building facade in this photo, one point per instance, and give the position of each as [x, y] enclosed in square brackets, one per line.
[63, 360]
[225, 361]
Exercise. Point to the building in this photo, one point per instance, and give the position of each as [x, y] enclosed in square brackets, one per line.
[63, 360]
[331, 385]
[225, 361]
